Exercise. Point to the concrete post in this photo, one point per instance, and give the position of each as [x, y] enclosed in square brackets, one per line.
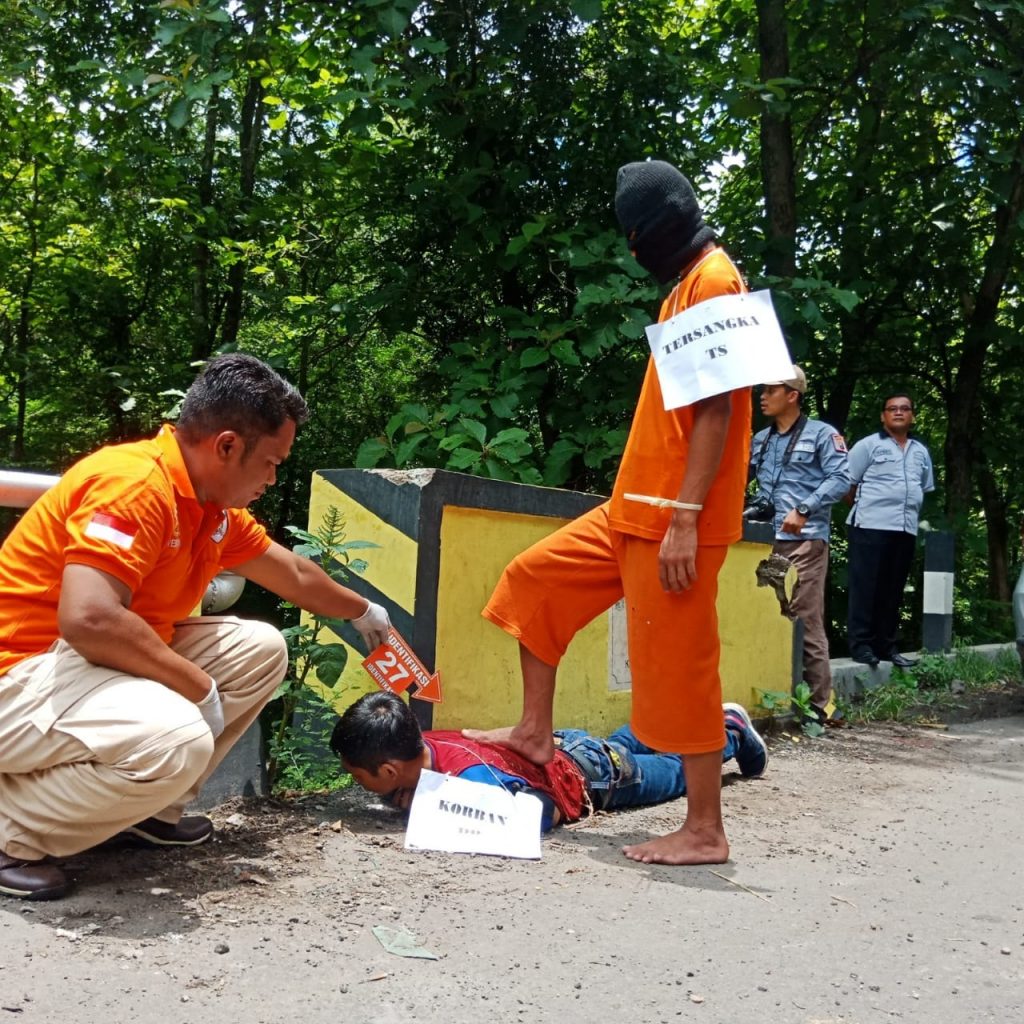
[937, 609]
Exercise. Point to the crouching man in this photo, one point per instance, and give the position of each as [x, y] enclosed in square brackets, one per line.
[115, 704]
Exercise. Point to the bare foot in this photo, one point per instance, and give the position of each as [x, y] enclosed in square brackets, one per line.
[538, 748]
[684, 846]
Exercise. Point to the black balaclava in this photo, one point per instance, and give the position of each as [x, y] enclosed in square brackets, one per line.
[659, 213]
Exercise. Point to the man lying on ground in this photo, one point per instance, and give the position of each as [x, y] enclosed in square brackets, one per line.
[380, 743]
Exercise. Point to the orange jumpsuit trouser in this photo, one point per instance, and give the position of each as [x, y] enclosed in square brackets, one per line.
[554, 588]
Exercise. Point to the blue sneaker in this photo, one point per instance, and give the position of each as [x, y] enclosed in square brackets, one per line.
[752, 756]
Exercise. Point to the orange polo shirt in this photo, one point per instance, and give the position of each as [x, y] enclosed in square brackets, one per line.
[129, 510]
[654, 460]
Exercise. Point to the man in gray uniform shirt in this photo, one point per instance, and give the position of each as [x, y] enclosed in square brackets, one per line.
[801, 469]
[891, 473]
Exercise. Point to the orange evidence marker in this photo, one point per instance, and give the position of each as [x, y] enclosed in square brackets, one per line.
[394, 667]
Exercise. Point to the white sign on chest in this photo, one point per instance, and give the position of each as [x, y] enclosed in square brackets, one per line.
[728, 342]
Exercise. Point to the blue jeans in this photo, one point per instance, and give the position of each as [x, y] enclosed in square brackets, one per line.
[623, 772]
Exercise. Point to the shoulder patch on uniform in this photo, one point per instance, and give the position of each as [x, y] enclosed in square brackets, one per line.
[118, 531]
[222, 528]
[838, 443]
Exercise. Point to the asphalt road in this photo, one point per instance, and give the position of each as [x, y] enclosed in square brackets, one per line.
[875, 876]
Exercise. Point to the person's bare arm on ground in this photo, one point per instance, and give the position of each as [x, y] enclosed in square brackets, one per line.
[677, 559]
[95, 618]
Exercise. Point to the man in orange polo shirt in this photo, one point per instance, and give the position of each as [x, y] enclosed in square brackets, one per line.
[115, 705]
[664, 561]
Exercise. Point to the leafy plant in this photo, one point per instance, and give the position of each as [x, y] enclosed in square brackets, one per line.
[295, 752]
[301, 765]
[798, 702]
[806, 712]
[773, 701]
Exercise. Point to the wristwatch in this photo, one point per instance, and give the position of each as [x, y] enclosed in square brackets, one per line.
[803, 510]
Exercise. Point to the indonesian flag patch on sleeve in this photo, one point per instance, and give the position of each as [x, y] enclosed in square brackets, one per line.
[104, 526]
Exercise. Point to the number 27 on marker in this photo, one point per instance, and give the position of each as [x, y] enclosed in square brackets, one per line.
[394, 667]
[390, 672]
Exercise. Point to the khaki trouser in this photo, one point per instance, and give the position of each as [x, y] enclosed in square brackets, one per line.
[86, 751]
[808, 605]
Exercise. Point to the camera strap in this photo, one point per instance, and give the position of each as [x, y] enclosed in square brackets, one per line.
[794, 435]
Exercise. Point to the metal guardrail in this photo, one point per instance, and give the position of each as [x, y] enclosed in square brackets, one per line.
[19, 490]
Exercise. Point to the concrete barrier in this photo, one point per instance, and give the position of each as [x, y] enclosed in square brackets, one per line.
[445, 538]
[851, 679]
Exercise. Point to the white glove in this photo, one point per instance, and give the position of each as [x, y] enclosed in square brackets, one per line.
[373, 625]
[212, 710]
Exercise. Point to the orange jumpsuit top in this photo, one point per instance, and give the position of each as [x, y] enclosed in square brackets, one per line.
[131, 511]
[654, 461]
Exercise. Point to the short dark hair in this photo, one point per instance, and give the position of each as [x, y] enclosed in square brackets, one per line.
[242, 393]
[898, 394]
[378, 727]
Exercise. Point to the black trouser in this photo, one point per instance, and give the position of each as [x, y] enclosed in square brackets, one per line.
[879, 563]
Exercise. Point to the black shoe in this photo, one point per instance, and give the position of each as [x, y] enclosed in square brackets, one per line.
[864, 656]
[900, 662]
[31, 879]
[190, 831]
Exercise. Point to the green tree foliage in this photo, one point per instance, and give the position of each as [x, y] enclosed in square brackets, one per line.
[407, 206]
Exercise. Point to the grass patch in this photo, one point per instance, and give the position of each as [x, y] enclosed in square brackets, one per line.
[939, 687]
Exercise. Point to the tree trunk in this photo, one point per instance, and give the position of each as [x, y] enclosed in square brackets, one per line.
[777, 145]
[855, 326]
[997, 528]
[965, 420]
[23, 332]
[202, 327]
[251, 138]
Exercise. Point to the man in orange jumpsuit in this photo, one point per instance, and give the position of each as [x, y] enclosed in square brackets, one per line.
[665, 561]
[115, 703]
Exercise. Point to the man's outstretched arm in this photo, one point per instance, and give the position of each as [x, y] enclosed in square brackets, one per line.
[305, 584]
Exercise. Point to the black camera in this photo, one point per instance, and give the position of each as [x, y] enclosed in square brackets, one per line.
[759, 508]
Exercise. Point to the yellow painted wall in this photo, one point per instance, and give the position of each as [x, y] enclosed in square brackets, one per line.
[479, 663]
[391, 568]
[757, 642]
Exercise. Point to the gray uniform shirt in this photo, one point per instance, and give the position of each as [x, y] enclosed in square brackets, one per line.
[891, 483]
[817, 475]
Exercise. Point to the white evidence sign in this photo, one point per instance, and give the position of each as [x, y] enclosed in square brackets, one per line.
[728, 342]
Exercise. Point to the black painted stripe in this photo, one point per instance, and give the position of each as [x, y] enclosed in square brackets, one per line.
[940, 551]
[936, 632]
[394, 501]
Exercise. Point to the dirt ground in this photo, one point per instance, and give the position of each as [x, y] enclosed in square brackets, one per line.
[875, 876]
